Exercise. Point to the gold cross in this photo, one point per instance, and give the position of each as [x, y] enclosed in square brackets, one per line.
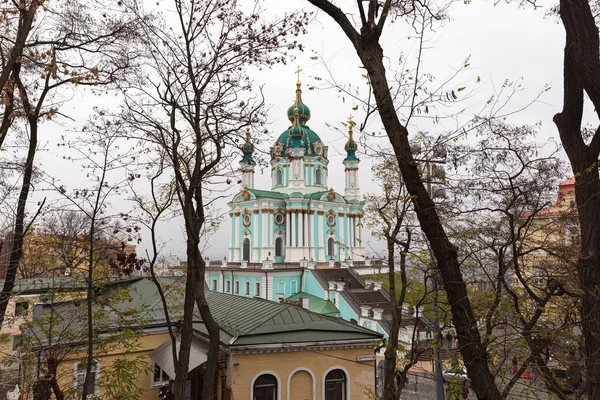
[298, 72]
[350, 118]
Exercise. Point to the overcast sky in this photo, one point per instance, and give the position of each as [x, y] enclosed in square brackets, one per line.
[502, 42]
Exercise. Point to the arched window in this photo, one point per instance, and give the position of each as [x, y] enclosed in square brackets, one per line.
[331, 247]
[279, 247]
[319, 176]
[265, 387]
[335, 385]
[279, 177]
[246, 250]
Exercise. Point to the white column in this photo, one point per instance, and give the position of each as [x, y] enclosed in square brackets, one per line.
[265, 229]
[255, 233]
[236, 238]
[305, 218]
[289, 229]
[350, 233]
[319, 236]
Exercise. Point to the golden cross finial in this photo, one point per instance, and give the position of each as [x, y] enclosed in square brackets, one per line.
[298, 72]
[351, 123]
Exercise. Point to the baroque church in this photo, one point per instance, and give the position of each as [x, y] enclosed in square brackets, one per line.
[301, 217]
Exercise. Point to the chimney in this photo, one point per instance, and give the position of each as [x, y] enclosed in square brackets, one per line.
[304, 302]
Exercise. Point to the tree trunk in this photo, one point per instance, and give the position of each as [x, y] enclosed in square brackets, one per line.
[473, 352]
[209, 390]
[391, 390]
[183, 359]
[582, 73]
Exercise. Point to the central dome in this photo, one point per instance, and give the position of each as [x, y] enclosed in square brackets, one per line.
[299, 135]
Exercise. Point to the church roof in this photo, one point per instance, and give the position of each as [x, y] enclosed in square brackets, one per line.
[267, 194]
[315, 303]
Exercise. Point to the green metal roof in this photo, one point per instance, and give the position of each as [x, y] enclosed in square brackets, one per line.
[316, 195]
[315, 304]
[251, 321]
[243, 320]
[267, 194]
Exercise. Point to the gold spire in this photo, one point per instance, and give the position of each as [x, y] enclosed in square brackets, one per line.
[248, 133]
[351, 123]
[298, 72]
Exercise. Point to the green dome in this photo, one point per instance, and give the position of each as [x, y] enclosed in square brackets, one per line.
[351, 146]
[299, 135]
[248, 149]
[303, 110]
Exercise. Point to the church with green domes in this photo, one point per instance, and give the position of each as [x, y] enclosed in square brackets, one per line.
[301, 217]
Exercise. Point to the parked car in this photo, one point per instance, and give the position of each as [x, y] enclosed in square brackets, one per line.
[455, 373]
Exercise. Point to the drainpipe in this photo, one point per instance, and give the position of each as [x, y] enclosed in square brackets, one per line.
[223, 278]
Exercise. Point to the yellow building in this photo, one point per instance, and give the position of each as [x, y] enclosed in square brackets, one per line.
[268, 350]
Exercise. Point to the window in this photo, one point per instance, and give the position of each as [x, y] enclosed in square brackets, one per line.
[214, 285]
[246, 221]
[159, 377]
[21, 308]
[281, 287]
[279, 218]
[227, 286]
[319, 176]
[265, 387]
[247, 288]
[294, 286]
[79, 378]
[246, 250]
[331, 247]
[257, 288]
[335, 385]
[279, 247]
[331, 220]
[237, 287]
[279, 177]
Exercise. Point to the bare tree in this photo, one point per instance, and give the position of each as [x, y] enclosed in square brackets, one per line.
[581, 78]
[365, 37]
[198, 102]
[75, 45]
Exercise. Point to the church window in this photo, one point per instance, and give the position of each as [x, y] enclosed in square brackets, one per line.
[214, 285]
[281, 287]
[279, 247]
[246, 250]
[257, 288]
[227, 286]
[319, 176]
[279, 219]
[331, 219]
[237, 287]
[246, 220]
[331, 247]
[279, 177]
[294, 286]
[247, 288]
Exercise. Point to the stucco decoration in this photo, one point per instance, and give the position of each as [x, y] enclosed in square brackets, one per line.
[331, 195]
[246, 194]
